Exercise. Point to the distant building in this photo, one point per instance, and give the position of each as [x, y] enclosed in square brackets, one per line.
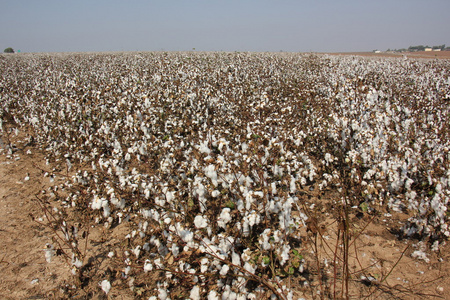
[437, 49]
[376, 51]
[428, 49]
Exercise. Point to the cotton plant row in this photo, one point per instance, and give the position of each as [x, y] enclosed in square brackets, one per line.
[399, 151]
[210, 155]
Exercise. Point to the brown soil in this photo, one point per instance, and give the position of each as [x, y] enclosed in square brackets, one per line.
[25, 272]
[27, 275]
[377, 253]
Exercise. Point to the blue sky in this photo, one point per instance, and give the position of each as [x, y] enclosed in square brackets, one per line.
[180, 25]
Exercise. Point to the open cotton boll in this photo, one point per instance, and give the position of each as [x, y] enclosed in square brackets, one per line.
[76, 262]
[224, 217]
[187, 236]
[203, 147]
[228, 293]
[264, 239]
[106, 286]
[147, 266]
[175, 250]
[292, 186]
[420, 255]
[249, 267]
[204, 265]
[106, 209]
[211, 173]
[200, 222]
[284, 254]
[274, 188]
[170, 196]
[162, 294]
[195, 293]
[97, 202]
[224, 270]
[235, 259]
[213, 295]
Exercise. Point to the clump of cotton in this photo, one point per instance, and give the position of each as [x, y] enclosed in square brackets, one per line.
[200, 222]
[106, 286]
[211, 173]
[224, 217]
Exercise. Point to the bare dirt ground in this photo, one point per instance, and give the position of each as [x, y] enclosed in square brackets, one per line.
[25, 272]
[419, 54]
[382, 265]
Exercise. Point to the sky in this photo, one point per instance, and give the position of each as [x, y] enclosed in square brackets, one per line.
[227, 25]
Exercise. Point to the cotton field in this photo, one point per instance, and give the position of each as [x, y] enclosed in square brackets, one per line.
[215, 162]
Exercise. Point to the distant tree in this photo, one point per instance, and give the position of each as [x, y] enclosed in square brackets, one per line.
[442, 47]
[417, 48]
[9, 50]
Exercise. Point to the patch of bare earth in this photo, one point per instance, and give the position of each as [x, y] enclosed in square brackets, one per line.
[25, 272]
[381, 264]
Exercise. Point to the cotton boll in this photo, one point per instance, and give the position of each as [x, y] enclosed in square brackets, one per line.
[158, 263]
[106, 209]
[195, 293]
[175, 250]
[225, 243]
[235, 259]
[76, 262]
[212, 295]
[248, 201]
[224, 270]
[137, 251]
[274, 188]
[284, 254]
[408, 184]
[204, 265]
[420, 255]
[224, 217]
[264, 239]
[200, 222]
[106, 286]
[170, 196]
[254, 218]
[259, 194]
[96, 203]
[211, 173]
[228, 293]
[249, 267]
[292, 186]
[303, 181]
[187, 236]
[162, 294]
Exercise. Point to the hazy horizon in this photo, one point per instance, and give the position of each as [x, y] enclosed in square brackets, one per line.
[256, 26]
